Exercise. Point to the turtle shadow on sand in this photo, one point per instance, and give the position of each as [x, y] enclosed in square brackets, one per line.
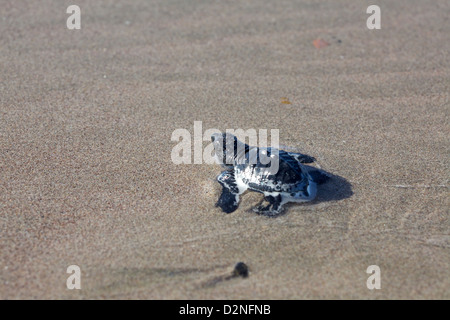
[335, 188]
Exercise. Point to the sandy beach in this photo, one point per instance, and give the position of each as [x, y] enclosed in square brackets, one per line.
[87, 179]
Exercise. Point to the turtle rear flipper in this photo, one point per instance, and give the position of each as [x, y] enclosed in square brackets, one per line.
[302, 158]
[274, 207]
[318, 176]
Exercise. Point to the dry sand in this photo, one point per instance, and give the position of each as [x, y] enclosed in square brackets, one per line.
[86, 176]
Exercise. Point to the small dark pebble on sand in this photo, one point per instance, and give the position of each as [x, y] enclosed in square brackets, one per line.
[241, 270]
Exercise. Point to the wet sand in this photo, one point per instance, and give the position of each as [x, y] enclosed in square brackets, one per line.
[86, 176]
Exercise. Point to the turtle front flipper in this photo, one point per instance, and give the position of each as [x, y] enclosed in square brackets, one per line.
[229, 199]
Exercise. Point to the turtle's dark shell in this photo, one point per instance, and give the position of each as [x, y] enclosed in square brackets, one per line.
[287, 178]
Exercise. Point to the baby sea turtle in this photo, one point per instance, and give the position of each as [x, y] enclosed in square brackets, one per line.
[246, 169]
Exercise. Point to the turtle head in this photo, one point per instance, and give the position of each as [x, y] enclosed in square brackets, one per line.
[227, 149]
